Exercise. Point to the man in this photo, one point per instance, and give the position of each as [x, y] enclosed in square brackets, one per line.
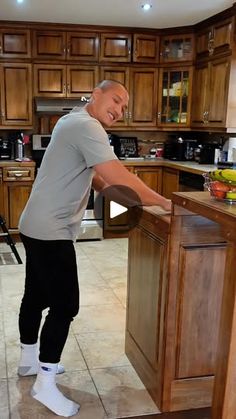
[78, 155]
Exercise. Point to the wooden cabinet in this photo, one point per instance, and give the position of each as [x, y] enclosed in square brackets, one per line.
[172, 305]
[15, 43]
[51, 80]
[176, 48]
[170, 182]
[115, 47]
[174, 96]
[145, 48]
[17, 180]
[143, 97]
[57, 45]
[210, 102]
[214, 40]
[16, 95]
[141, 84]
[152, 177]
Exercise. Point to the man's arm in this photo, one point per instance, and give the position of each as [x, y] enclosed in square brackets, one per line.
[114, 173]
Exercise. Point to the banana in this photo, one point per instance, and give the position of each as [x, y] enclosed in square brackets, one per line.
[224, 175]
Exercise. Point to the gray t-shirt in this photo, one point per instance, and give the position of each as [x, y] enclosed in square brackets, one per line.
[60, 192]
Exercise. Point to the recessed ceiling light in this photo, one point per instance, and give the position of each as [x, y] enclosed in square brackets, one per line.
[146, 6]
[19, 1]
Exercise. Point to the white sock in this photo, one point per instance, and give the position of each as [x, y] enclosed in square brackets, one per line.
[29, 362]
[46, 392]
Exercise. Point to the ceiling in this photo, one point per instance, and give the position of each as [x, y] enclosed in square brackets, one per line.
[163, 14]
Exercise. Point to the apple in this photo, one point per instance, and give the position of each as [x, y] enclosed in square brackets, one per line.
[219, 189]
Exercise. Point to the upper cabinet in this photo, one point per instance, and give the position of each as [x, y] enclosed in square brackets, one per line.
[215, 39]
[57, 45]
[15, 43]
[115, 47]
[175, 48]
[146, 48]
[174, 98]
[16, 95]
[213, 100]
[52, 80]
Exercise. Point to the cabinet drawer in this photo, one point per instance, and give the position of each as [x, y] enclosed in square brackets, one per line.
[18, 173]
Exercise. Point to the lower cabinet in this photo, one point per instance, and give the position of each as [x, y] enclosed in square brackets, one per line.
[15, 188]
[170, 181]
[119, 225]
[173, 305]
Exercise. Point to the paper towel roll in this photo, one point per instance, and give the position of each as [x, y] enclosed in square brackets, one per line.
[231, 146]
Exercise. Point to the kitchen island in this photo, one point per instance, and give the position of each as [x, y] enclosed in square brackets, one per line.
[181, 293]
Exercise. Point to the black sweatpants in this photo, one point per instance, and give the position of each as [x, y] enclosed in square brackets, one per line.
[51, 282]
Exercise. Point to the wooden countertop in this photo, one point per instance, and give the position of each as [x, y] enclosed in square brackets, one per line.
[186, 166]
[11, 163]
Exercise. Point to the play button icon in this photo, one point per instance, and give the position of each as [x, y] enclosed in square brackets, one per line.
[116, 209]
[123, 207]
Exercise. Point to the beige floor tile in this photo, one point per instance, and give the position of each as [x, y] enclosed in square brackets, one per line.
[122, 392]
[4, 408]
[97, 295]
[101, 318]
[77, 386]
[3, 370]
[72, 358]
[102, 350]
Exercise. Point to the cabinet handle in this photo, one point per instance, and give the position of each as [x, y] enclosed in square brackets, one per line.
[158, 115]
[64, 87]
[2, 113]
[130, 115]
[68, 49]
[129, 51]
[0, 48]
[68, 88]
[18, 174]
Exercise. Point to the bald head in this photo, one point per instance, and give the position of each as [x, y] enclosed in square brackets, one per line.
[109, 84]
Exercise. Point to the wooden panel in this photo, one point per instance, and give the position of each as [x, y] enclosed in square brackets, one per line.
[170, 182]
[49, 44]
[152, 177]
[191, 393]
[115, 47]
[146, 48]
[82, 46]
[222, 36]
[81, 80]
[218, 91]
[15, 43]
[199, 310]
[199, 100]
[49, 80]
[15, 197]
[16, 97]
[18, 173]
[143, 97]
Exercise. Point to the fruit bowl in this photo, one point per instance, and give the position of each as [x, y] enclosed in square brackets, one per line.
[222, 190]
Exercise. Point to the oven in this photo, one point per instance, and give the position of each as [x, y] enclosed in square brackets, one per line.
[91, 227]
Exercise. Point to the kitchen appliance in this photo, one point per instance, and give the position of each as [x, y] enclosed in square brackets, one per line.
[179, 149]
[5, 150]
[124, 147]
[91, 227]
[207, 153]
[58, 105]
[230, 148]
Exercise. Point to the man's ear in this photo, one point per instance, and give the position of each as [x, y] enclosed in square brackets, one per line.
[96, 92]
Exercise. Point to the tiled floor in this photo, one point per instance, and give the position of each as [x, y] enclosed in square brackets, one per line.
[98, 374]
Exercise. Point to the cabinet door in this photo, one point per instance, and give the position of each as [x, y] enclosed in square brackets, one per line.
[143, 97]
[50, 80]
[81, 80]
[16, 195]
[120, 74]
[82, 46]
[15, 43]
[1, 194]
[218, 92]
[175, 89]
[204, 42]
[16, 95]
[115, 47]
[146, 48]
[170, 182]
[151, 176]
[199, 98]
[176, 48]
[214, 40]
[49, 45]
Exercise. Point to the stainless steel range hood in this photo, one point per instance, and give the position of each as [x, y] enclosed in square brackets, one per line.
[58, 105]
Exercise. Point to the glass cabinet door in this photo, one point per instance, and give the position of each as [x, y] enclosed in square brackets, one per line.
[174, 96]
[176, 48]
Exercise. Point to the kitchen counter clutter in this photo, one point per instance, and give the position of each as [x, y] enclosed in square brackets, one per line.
[181, 327]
